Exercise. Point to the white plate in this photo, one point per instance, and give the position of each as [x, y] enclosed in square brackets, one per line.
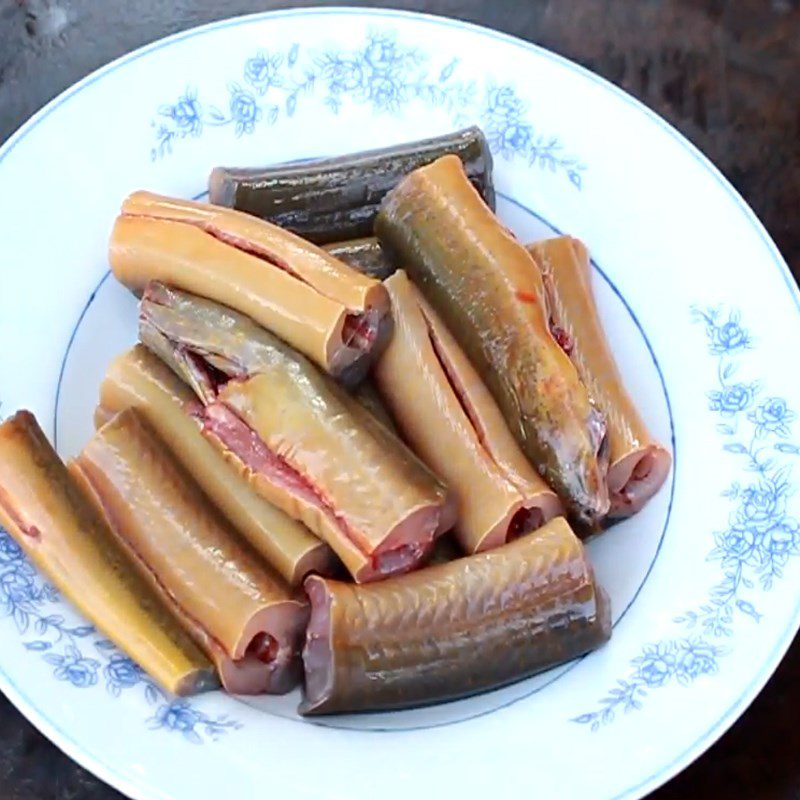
[701, 310]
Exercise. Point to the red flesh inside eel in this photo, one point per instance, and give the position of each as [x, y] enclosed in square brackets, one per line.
[236, 435]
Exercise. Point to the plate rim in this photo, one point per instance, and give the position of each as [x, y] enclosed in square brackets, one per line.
[697, 748]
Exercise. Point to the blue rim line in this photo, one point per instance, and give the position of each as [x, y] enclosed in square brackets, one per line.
[713, 733]
[67, 351]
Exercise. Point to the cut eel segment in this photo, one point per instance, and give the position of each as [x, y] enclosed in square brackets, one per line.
[46, 514]
[137, 379]
[244, 617]
[454, 628]
[302, 442]
[488, 291]
[332, 313]
[331, 199]
[638, 464]
[451, 421]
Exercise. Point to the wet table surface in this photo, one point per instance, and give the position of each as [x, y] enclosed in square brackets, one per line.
[725, 72]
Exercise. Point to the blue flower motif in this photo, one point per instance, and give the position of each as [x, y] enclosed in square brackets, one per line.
[772, 416]
[181, 717]
[121, 673]
[698, 658]
[382, 71]
[730, 400]
[760, 506]
[656, 666]
[178, 716]
[512, 138]
[503, 105]
[737, 545]
[381, 53]
[728, 337]
[385, 93]
[781, 540]
[186, 113]
[244, 110]
[264, 71]
[17, 586]
[73, 667]
[10, 551]
[343, 75]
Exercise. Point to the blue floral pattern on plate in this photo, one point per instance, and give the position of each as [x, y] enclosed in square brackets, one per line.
[383, 74]
[81, 657]
[755, 546]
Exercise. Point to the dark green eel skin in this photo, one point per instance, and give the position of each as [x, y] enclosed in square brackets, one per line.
[454, 628]
[489, 292]
[333, 199]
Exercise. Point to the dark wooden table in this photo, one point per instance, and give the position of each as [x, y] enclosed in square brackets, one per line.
[725, 72]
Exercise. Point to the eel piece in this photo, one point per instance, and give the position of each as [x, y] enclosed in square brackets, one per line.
[333, 314]
[337, 198]
[245, 618]
[300, 440]
[59, 530]
[452, 423]
[638, 464]
[488, 291]
[452, 629]
[365, 255]
[137, 379]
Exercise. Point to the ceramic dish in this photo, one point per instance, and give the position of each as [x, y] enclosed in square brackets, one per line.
[700, 310]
